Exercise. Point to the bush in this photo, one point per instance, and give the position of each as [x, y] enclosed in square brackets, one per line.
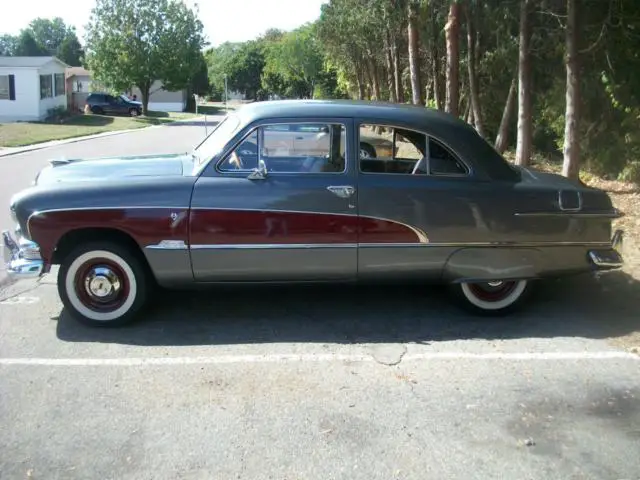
[631, 173]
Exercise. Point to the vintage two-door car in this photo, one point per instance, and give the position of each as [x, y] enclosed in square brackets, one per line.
[283, 192]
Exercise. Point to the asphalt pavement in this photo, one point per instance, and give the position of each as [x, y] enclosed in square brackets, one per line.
[326, 382]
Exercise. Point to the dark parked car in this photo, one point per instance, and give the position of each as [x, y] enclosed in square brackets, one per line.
[106, 104]
[253, 204]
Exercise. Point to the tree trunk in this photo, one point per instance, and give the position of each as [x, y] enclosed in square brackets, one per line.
[525, 130]
[360, 82]
[502, 139]
[435, 65]
[414, 53]
[452, 33]
[474, 93]
[389, 60]
[373, 73]
[571, 164]
[144, 87]
[396, 70]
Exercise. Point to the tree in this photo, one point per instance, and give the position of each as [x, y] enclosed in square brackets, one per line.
[412, 35]
[502, 140]
[27, 46]
[525, 125]
[50, 33]
[70, 50]
[297, 60]
[571, 164]
[136, 42]
[452, 32]
[8, 45]
[474, 89]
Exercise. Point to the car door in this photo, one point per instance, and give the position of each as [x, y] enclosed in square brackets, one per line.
[417, 205]
[294, 219]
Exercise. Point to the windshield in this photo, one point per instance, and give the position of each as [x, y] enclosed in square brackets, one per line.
[212, 145]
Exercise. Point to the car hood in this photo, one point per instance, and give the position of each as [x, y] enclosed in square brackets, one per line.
[114, 168]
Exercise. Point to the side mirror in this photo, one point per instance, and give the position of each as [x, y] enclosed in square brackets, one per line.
[259, 173]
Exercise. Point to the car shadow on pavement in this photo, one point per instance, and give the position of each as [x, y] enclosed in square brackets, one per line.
[605, 307]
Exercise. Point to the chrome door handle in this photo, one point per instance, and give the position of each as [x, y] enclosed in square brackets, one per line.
[342, 191]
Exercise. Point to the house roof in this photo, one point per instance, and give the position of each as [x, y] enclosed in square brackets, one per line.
[79, 71]
[28, 62]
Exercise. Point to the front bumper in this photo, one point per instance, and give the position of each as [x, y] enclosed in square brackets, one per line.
[21, 257]
[609, 258]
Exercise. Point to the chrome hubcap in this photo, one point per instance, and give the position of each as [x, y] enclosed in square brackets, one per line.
[496, 283]
[364, 154]
[102, 283]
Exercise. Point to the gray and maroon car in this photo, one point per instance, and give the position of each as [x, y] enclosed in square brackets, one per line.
[309, 191]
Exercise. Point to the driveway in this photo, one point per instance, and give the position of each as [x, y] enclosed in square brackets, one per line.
[18, 171]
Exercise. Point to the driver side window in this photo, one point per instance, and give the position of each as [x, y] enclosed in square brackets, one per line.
[290, 148]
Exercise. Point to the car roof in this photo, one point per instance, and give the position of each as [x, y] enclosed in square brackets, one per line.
[346, 108]
[453, 131]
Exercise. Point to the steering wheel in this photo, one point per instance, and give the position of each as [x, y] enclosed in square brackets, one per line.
[420, 165]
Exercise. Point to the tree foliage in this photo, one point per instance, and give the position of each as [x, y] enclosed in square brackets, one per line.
[136, 42]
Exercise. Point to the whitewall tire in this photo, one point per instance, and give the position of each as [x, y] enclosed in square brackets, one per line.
[493, 298]
[102, 284]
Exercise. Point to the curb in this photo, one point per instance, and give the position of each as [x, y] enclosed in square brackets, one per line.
[54, 143]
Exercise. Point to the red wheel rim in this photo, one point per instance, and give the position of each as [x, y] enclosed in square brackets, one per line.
[492, 293]
[101, 285]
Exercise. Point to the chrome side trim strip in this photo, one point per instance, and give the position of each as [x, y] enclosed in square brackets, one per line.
[272, 246]
[285, 246]
[168, 245]
[569, 214]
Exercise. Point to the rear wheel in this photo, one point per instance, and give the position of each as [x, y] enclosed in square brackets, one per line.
[493, 298]
[103, 284]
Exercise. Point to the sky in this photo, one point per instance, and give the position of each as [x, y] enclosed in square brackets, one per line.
[223, 20]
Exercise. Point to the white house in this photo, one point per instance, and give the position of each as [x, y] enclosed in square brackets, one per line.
[30, 87]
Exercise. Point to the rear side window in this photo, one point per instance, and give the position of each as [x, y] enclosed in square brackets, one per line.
[394, 150]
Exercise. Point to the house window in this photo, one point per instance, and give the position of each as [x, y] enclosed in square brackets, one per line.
[4, 87]
[59, 84]
[46, 86]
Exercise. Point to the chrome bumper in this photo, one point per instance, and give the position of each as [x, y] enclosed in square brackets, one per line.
[609, 258]
[22, 257]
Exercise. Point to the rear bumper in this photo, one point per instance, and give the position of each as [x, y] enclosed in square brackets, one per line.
[22, 257]
[608, 258]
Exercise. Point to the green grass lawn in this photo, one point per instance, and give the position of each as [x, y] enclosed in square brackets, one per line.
[28, 133]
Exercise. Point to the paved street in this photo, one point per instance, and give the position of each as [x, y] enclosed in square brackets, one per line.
[375, 382]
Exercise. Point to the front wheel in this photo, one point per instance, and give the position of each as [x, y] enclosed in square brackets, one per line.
[134, 112]
[493, 298]
[103, 284]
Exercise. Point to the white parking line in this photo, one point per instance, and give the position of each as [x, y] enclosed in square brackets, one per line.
[325, 357]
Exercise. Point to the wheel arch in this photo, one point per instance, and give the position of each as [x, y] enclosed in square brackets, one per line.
[481, 264]
[72, 238]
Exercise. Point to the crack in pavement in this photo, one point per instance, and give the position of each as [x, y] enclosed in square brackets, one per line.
[389, 355]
